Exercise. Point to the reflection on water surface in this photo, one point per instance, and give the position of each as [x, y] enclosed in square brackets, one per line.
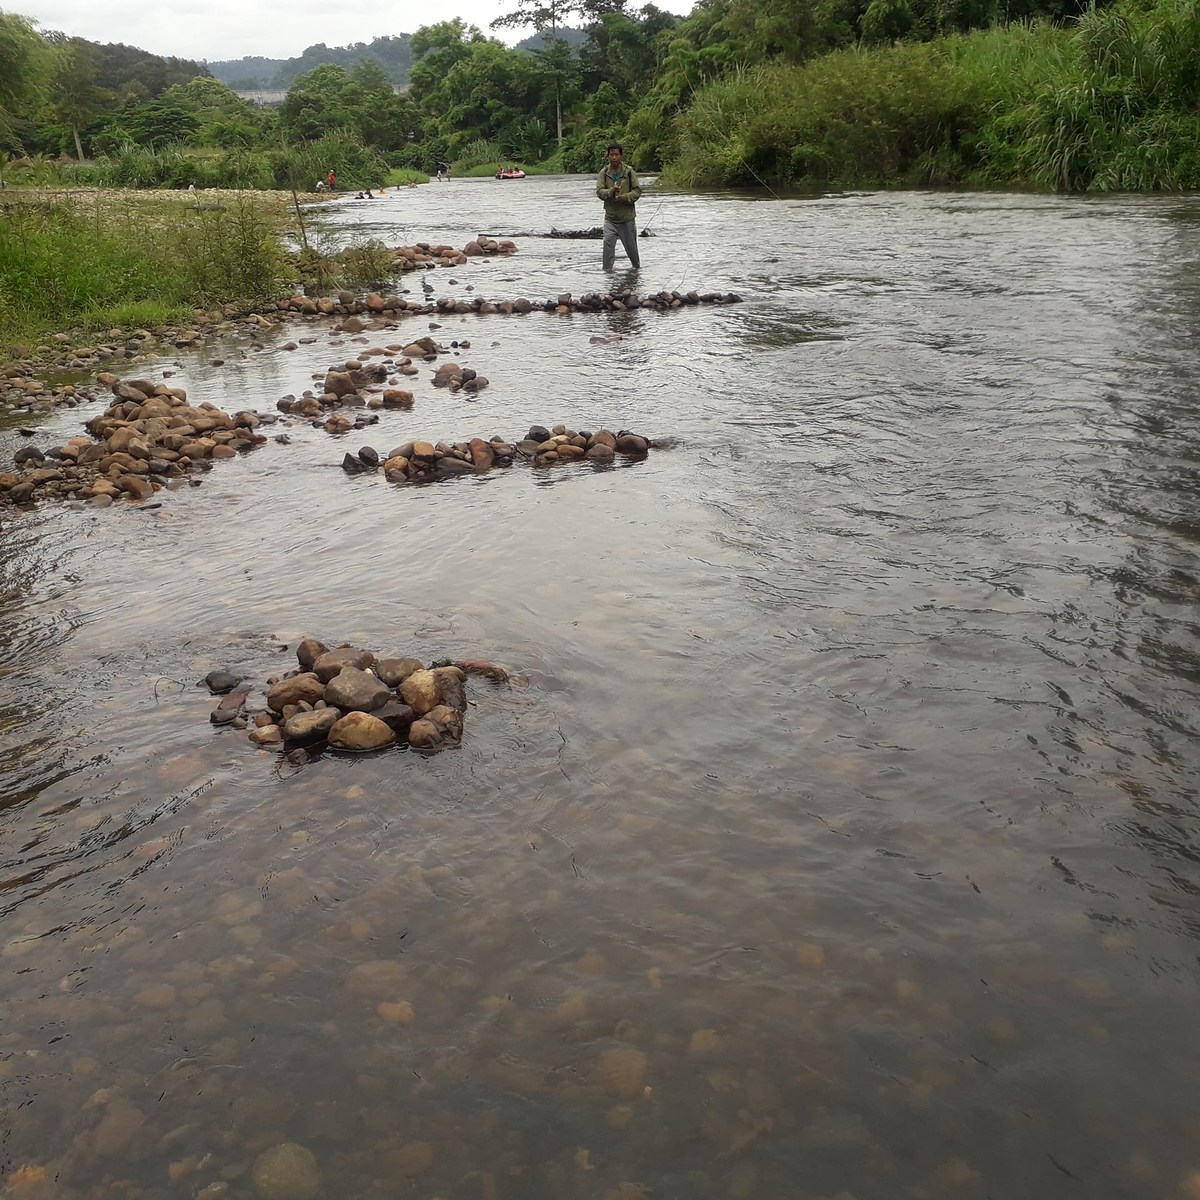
[843, 843]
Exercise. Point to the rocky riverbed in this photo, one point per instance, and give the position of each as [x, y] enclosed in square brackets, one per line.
[153, 437]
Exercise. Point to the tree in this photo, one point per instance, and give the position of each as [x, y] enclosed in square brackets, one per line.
[324, 99]
[76, 100]
[558, 64]
[24, 62]
[386, 119]
[160, 123]
[625, 50]
[546, 17]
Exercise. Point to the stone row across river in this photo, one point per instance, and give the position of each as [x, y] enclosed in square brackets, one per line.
[424, 462]
[564, 303]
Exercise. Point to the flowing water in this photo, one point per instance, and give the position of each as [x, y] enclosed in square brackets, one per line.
[843, 840]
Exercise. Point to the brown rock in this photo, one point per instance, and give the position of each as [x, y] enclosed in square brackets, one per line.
[332, 661]
[309, 651]
[361, 731]
[229, 707]
[339, 383]
[420, 692]
[481, 666]
[482, 454]
[440, 727]
[306, 687]
[136, 486]
[450, 685]
[394, 671]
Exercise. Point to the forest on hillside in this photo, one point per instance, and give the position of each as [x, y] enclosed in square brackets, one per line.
[814, 93]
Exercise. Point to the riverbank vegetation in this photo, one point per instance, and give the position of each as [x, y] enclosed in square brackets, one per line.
[1057, 94]
[91, 260]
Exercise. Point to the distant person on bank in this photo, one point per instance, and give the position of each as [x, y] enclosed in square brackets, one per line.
[618, 187]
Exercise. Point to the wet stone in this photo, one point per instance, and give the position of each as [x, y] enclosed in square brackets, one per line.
[220, 682]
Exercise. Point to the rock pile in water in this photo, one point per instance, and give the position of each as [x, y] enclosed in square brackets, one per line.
[349, 699]
[410, 258]
[424, 462]
[21, 389]
[361, 382]
[150, 436]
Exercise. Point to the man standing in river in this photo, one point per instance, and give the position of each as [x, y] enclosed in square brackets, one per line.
[617, 186]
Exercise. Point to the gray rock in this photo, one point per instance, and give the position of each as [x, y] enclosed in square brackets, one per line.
[396, 716]
[394, 671]
[355, 690]
[308, 727]
[220, 682]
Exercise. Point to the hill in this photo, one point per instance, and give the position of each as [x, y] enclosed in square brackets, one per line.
[251, 72]
[391, 53]
[537, 41]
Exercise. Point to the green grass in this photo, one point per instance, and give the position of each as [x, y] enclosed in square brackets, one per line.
[76, 260]
[136, 314]
[403, 176]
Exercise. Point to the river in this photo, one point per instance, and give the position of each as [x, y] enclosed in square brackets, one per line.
[842, 840]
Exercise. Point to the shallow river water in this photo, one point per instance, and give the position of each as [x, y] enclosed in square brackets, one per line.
[843, 840]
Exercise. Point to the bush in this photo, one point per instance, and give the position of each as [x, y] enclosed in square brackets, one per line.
[584, 153]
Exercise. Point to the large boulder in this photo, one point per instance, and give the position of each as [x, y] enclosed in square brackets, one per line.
[361, 731]
[355, 690]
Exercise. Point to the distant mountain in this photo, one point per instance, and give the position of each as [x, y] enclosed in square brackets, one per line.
[253, 72]
[537, 41]
[391, 53]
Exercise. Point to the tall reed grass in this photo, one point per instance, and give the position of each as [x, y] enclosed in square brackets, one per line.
[1110, 103]
[298, 166]
[66, 263]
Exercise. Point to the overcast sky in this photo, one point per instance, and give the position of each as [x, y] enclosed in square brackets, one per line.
[220, 29]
